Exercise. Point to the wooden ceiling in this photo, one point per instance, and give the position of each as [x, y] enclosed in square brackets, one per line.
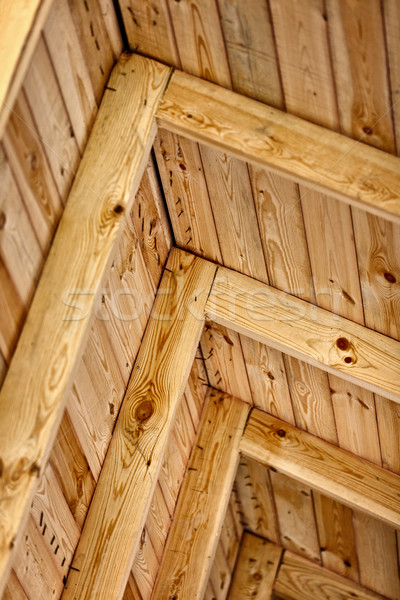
[272, 470]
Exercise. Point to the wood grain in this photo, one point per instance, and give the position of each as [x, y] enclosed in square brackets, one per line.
[203, 501]
[299, 579]
[329, 162]
[52, 339]
[306, 332]
[21, 24]
[322, 466]
[256, 569]
[134, 457]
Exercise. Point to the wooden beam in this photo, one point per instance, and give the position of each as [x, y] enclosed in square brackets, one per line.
[359, 174]
[202, 503]
[21, 23]
[301, 579]
[32, 397]
[256, 569]
[307, 332]
[322, 466]
[121, 501]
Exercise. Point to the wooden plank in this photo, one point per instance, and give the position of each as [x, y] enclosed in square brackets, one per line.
[14, 590]
[336, 536]
[284, 143]
[71, 70]
[388, 418]
[253, 493]
[296, 518]
[13, 313]
[256, 569]
[307, 332]
[377, 555]
[220, 576]
[105, 552]
[199, 40]
[145, 567]
[300, 579]
[249, 42]
[21, 23]
[54, 335]
[52, 120]
[322, 466]
[391, 18]
[361, 74]
[203, 500]
[304, 60]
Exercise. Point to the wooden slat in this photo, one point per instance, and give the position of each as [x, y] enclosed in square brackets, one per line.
[322, 466]
[299, 579]
[54, 335]
[256, 569]
[304, 331]
[203, 500]
[105, 552]
[20, 23]
[249, 130]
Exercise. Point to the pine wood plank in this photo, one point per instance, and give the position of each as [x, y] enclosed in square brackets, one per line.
[132, 591]
[149, 29]
[300, 579]
[251, 52]
[220, 576]
[223, 358]
[361, 77]
[134, 457]
[13, 313]
[52, 338]
[336, 536]
[254, 495]
[304, 331]
[29, 164]
[322, 466]
[267, 379]
[71, 70]
[72, 471]
[3, 368]
[256, 569]
[158, 522]
[295, 513]
[391, 19]
[21, 25]
[145, 567]
[203, 500]
[185, 189]
[14, 590]
[199, 40]
[388, 418]
[52, 121]
[92, 32]
[229, 539]
[303, 52]
[377, 555]
[284, 143]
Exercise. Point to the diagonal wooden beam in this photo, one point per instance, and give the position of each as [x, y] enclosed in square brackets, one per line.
[323, 466]
[310, 333]
[32, 398]
[327, 161]
[202, 503]
[21, 24]
[302, 579]
[120, 504]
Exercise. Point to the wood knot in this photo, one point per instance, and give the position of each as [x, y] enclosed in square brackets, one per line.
[367, 130]
[257, 576]
[2, 219]
[390, 277]
[144, 410]
[281, 433]
[118, 209]
[343, 344]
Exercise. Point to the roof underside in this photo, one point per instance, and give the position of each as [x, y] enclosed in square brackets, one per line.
[284, 534]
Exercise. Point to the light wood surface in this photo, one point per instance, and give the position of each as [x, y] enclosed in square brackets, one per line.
[203, 500]
[106, 551]
[322, 466]
[327, 161]
[256, 569]
[304, 331]
[300, 579]
[21, 23]
[54, 334]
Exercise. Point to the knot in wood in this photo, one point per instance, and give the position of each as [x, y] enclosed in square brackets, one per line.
[281, 433]
[144, 410]
[343, 344]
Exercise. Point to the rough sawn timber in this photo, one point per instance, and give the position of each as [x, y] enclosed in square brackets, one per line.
[127, 481]
[322, 466]
[40, 374]
[260, 134]
[307, 332]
